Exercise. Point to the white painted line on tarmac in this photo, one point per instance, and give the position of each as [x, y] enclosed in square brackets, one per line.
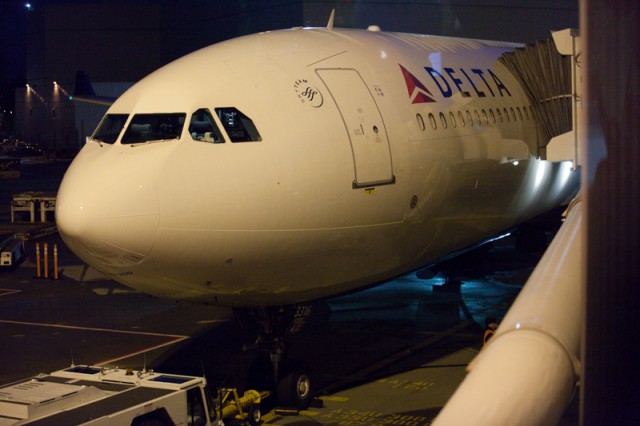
[174, 338]
[108, 330]
[8, 291]
[213, 321]
[142, 351]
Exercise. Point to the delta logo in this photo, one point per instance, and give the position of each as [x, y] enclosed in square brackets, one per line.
[468, 82]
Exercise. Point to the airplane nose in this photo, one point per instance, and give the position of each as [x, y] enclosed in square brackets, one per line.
[108, 220]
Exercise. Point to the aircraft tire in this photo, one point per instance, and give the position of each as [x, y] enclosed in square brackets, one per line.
[294, 389]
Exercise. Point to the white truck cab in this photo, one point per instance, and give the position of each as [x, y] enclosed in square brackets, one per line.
[90, 395]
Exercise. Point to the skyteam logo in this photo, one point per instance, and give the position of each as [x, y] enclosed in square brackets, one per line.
[468, 82]
[308, 94]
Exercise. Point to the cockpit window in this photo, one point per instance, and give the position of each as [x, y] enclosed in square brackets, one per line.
[203, 128]
[154, 127]
[109, 128]
[239, 127]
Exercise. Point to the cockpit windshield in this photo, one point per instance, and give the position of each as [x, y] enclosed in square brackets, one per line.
[110, 128]
[239, 127]
[154, 127]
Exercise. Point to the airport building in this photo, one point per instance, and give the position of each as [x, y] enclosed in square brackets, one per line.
[118, 43]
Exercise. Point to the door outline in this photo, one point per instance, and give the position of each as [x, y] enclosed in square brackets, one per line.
[373, 165]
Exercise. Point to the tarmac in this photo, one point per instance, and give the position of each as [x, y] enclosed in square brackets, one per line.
[389, 355]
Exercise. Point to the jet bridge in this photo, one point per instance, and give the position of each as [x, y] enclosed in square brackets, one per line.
[549, 73]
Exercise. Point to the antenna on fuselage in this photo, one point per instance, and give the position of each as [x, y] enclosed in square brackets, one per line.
[331, 18]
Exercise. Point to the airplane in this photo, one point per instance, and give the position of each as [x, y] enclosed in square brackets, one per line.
[275, 169]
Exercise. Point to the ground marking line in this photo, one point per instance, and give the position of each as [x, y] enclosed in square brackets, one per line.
[108, 330]
[142, 351]
[175, 338]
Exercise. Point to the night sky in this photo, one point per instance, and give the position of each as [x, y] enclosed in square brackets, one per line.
[13, 31]
[13, 19]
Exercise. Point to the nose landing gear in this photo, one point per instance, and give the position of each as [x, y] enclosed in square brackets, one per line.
[289, 379]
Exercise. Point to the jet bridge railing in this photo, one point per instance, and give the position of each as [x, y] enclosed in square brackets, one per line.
[529, 370]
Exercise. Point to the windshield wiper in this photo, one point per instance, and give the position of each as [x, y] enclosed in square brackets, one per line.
[132, 145]
[100, 141]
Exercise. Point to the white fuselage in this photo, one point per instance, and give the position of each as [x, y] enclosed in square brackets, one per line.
[377, 152]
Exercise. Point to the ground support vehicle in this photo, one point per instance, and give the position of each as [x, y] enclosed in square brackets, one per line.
[11, 252]
[98, 396]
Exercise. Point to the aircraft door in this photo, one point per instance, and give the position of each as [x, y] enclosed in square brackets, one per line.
[364, 125]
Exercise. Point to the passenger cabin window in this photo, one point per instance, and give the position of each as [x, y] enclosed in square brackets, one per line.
[203, 128]
[239, 127]
[109, 128]
[154, 127]
[443, 120]
[432, 120]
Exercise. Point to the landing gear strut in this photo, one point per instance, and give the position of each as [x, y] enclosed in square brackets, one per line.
[273, 326]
